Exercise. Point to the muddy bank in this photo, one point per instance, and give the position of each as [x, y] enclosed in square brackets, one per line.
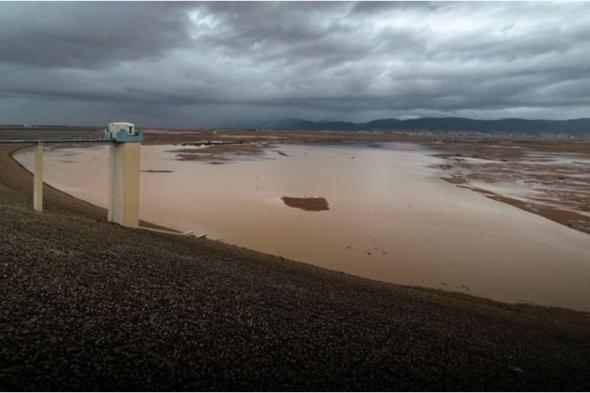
[308, 203]
[157, 171]
[217, 153]
[548, 179]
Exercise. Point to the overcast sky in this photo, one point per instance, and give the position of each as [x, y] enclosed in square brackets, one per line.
[243, 64]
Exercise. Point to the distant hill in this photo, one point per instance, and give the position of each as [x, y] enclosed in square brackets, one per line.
[448, 124]
[298, 124]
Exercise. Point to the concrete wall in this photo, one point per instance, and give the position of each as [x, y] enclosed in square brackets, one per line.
[124, 170]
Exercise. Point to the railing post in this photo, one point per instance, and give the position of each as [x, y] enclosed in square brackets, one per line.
[38, 178]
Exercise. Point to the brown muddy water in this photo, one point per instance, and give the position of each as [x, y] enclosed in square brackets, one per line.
[388, 216]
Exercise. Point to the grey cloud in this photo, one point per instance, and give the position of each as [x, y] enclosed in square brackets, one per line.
[204, 64]
[88, 35]
[373, 7]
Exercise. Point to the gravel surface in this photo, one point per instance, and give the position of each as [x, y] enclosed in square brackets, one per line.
[88, 305]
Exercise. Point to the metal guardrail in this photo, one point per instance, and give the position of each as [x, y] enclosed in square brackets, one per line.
[45, 135]
[51, 141]
[11, 136]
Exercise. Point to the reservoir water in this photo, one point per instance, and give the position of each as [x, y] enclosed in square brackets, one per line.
[389, 216]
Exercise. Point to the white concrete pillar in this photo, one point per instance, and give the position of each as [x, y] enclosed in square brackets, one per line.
[124, 161]
[38, 178]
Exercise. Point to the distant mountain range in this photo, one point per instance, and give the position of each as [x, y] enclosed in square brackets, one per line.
[447, 124]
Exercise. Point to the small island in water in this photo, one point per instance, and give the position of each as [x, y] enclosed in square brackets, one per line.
[307, 203]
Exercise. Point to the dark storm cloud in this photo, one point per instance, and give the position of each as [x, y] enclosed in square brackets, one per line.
[202, 64]
[87, 35]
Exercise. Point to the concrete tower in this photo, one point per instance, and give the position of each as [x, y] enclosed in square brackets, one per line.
[124, 170]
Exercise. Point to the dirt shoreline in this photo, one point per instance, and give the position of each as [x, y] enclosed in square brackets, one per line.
[560, 195]
[90, 305]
